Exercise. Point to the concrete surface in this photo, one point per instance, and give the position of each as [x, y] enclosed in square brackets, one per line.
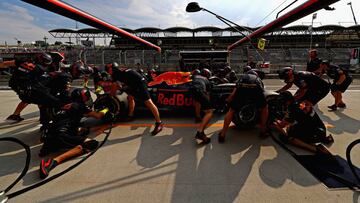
[171, 167]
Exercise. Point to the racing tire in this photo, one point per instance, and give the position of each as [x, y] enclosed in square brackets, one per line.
[110, 102]
[246, 117]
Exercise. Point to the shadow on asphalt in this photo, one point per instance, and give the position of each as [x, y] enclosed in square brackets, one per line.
[194, 175]
[344, 123]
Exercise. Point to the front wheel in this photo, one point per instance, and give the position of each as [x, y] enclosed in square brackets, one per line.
[246, 117]
[114, 104]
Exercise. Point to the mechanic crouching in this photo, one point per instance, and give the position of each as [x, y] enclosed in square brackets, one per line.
[135, 85]
[248, 87]
[310, 86]
[63, 132]
[200, 88]
[341, 81]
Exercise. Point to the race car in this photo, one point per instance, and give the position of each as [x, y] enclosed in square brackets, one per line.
[170, 91]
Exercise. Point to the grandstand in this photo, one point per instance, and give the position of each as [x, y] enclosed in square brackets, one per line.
[285, 46]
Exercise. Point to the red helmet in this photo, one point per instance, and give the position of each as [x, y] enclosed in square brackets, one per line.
[82, 96]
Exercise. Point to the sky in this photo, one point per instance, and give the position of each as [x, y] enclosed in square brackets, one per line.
[27, 23]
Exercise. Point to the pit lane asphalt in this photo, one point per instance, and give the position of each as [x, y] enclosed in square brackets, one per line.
[171, 167]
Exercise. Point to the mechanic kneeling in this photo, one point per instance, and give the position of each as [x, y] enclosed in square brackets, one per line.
[304, 128]
[64, 131]
[248, 87]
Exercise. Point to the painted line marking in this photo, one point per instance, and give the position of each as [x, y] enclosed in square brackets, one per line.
[183, 125]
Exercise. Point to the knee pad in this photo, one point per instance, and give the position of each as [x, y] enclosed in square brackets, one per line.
[90, 145]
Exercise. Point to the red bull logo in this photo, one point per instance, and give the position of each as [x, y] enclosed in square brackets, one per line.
[176, 99]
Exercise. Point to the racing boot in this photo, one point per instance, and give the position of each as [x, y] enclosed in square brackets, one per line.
[201, 136]
[341, 105]
[333, 107]
[15, 118]
[46, 167]
[221, 139]
[158, 127]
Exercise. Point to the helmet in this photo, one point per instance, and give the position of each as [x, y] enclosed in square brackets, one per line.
[232, 76]
[115, 65]
[196, 72]
[109, 67]
[257, 72]
[247, 68]
[141, 71]
[152, 71]
[43, 59]
[206, 73]
[85, 69]
[325, 62]
[82, 96]
[284, 73]
[252, 72]
[227, 69]
[75, 69]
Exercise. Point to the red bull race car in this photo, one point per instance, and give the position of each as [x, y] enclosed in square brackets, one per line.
[170, 91]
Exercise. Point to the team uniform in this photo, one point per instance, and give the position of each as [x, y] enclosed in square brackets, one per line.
[313, 65]
[307, 127]
[135, 83]
[63, 132]
[29, 82]
[248, 88]
[334, 73]
[200, 86]
[317, 88]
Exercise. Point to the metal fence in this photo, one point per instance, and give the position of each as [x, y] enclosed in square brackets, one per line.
[169, 59]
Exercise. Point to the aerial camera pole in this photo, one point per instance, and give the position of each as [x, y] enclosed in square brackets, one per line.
[227, 22]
